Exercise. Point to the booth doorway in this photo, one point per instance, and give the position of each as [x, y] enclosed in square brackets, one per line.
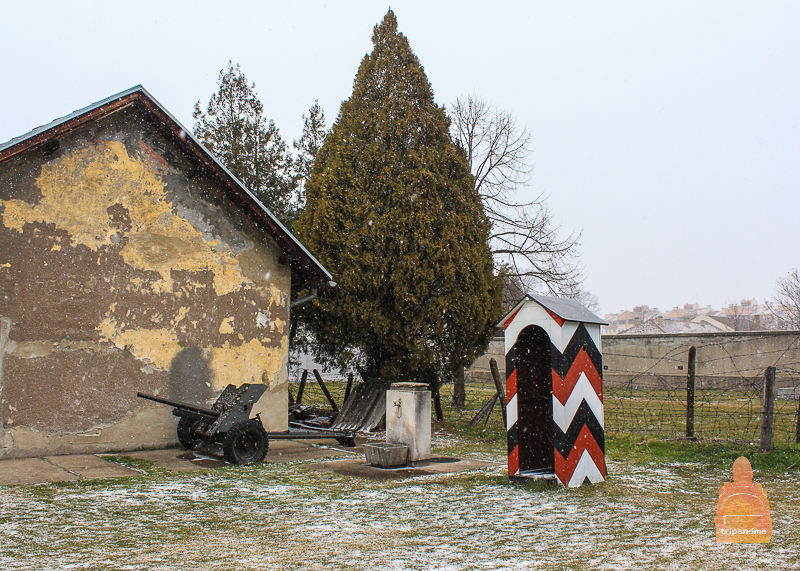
[535, 401]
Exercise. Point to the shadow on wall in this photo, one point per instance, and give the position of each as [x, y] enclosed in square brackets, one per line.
[190, 377]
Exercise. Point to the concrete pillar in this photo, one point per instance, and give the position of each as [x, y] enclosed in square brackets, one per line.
[408, 418]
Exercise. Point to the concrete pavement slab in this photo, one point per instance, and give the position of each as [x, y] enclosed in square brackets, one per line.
[91, 467]
[295, 450]
[176, 460]
[32, 471]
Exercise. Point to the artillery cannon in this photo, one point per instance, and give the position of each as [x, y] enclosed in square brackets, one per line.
[226, 430]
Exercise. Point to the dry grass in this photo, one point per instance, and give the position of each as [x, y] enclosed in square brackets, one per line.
[655, 512]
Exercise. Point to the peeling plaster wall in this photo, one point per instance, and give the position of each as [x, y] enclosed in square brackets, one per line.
[119, 274]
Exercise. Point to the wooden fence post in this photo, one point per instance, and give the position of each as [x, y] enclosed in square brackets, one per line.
[498, 385]
[302, 387]
[768, 409]
[797, 429]
[690, 369]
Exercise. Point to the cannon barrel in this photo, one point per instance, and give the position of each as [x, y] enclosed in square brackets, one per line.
[179, 405]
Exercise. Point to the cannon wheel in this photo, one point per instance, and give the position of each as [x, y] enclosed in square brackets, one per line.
[245, 443]
[346, 441]
[186, 434]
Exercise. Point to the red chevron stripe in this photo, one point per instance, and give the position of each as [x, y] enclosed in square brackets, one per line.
[510, 319]
[565, 467]
[562, 388]
[513, 461]
[511, 386]
[555, 317]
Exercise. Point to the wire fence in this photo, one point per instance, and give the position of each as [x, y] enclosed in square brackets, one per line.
[645, 388]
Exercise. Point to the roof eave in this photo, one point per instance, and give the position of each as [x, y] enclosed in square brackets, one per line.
[302, 261]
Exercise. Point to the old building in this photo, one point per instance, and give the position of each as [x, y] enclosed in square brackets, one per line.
[132, 260]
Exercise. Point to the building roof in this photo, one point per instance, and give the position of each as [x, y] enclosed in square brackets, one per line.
[566, 309]
[679, 313]
[670, 326]
[625, 314]
[306, 270]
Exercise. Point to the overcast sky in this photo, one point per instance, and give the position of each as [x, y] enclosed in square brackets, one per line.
[667, 132]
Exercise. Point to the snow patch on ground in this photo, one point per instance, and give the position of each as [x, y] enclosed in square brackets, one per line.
[282, 516]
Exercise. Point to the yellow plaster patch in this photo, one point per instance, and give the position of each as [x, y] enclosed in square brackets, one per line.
[182, 312]
[228, 364]
[157, 346]
[226, 327]
[77, 192]
[245, 363]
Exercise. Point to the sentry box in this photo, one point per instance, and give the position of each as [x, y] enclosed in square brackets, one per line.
[554, 391]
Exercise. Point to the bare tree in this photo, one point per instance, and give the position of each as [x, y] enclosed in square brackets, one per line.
[586, 298]
[514, 288]
[787, 300]
[526, 245]
[524, 238]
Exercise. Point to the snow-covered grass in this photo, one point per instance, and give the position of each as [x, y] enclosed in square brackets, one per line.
[649, 515]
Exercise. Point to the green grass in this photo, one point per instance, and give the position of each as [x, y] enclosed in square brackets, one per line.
[641, 426]
[489, 439]
[656, 511]
[721, 415]
[781, 459]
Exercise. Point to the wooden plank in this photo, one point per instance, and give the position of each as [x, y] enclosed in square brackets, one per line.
[486, 410]
[327, 392]
[348, 388]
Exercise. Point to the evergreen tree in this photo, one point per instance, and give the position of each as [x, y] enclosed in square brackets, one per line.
[308, 147]
[233, 128]
[393, 213]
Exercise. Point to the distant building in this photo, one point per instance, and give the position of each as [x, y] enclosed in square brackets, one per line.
[747, 315]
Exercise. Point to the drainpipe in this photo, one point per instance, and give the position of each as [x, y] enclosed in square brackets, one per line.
[301, 301]
[306, 299]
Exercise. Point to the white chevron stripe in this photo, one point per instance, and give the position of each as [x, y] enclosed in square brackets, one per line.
[511, 412]
[594, 332]
[563, 414]
[585, 468]
[562, 337]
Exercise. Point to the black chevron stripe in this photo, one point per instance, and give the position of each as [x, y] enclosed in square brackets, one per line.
[564, 441]
[511, 361]
[513, 437]
[580, 339]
